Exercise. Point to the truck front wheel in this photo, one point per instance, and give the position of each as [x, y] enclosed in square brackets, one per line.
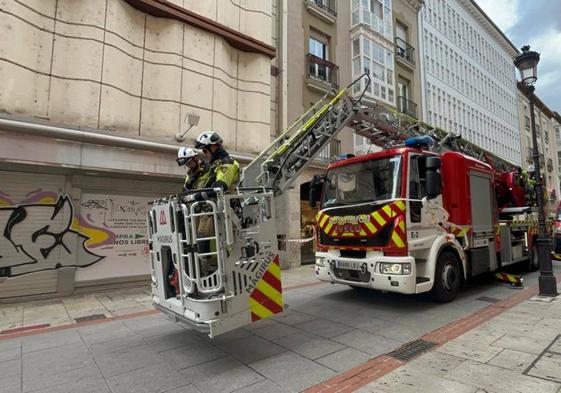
[447, 278]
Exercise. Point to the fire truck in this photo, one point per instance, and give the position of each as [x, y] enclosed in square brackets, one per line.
[409, 219]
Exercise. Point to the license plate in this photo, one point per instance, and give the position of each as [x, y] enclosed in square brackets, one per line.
[349, 265]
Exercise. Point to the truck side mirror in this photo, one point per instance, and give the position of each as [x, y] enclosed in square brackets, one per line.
[316, 188]
[433, 178]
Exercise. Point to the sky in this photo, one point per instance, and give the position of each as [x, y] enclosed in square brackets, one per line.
[538, 24]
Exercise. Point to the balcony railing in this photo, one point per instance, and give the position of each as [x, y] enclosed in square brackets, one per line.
[330, 151]
[407, 106]
[323, 71]
[326, 5]
[404, 50]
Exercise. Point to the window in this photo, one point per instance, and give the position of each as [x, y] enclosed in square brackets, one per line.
[377, 61]
[417, 189]
[318, 48]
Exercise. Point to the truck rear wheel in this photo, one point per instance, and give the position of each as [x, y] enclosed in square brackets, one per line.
[447, 278]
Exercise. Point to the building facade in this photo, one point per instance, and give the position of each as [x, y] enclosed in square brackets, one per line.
[93, 93]
[547, 142]
[330, 44]
[557, 131]
[469, 77]
[385, 45]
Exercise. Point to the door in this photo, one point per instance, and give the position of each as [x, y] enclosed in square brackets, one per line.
[420, 230]
[317, 68]
[36, 238]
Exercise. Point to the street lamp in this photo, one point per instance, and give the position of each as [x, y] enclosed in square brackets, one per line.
[527, 64]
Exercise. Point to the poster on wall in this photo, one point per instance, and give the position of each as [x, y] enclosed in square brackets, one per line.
[124, 244]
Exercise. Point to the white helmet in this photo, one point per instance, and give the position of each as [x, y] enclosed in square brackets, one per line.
[208, 138]
[531, 169]
[184, 154]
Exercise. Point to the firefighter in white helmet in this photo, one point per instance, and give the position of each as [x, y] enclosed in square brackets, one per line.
[224, 169]
[198, 174]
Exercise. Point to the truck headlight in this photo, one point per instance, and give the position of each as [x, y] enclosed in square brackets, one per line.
[320, 262]
[395, 268]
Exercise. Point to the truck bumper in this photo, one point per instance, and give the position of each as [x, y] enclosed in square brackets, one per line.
[371, 276]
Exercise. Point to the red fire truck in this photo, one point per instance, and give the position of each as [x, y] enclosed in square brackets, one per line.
[410, 220]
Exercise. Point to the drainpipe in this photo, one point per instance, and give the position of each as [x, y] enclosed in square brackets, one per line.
[93, 137]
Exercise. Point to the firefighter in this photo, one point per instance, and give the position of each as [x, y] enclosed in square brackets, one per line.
[224, 174]
[224, 169]
[198, 173]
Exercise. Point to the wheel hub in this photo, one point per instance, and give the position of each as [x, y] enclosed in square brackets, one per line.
[449, 277]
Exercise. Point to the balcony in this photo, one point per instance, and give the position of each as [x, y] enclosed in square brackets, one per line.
[549, 164]
[322, 75]
[404, 52]
[407, 106]
[330, 151]
[323, 9]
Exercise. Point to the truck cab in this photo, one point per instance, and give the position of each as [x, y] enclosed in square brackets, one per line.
[406, 220]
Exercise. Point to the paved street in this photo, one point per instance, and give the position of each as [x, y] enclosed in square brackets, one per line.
[326, 330]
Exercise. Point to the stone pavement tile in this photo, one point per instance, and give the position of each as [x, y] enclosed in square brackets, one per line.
[52, 312]
[139, 324]
[117, 344]
[479, 336]
[221, 375]
[473, 351]
[131, 310]
[276, 330]
[171, 339]
[184, 389]
[11, 316]
[344, 359]
[47, 379]
[292, 372]
[56, 360]
[160, 329]
[233, 335]
[102, 332]
[11, 384]
[252, 349]
[396, 331]
[10, 349]
[260, 324]
[522, 343]
[512, 360]
[556, 347]
[548, 367]
[293, 317]
[436, 363]
[88, 384]
[152, 379]
[367, 342]
[191, 355]
[50, 340]
[496, 379]
[409, 379]
[128, 359]
[9, 368]
[324, 328]
[264, 386]
[309, 345]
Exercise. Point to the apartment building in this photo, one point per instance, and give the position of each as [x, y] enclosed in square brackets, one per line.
[385, 45]
[93, 94]
[545, 121]
[557, 131]
[330, 43]
[469, 85]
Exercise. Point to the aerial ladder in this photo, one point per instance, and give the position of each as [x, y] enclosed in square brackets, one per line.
[231, 277]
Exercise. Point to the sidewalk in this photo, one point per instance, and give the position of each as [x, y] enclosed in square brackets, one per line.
[518, 350]
[25, 316]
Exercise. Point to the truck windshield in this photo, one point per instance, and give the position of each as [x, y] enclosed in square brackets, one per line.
[366, 181]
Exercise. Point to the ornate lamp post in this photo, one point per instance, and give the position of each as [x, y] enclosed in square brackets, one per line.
[527, 64]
